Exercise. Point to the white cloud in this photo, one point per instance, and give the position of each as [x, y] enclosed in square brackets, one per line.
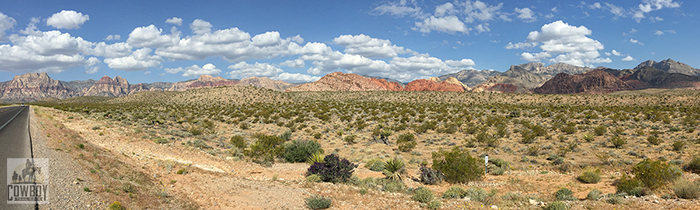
[174, 21]
[615, 52]
[482, 28]
[245, 70]
[113, 37]
[151, 36]
[595, 6]
[139, 60]
[6, 23]
[615, 10]
[92, 65]
[634, 41]
[200, 26]
[119, 49]
[526, 14]
[50, 51]
[648, 6]
[659, 32]
[460, 63]
[298, 39]
[445, 9]
[521, 45]
[448, 24]
[269, 38]
[296, 63]
[195, 71]
[399, 9]
[554, 9]
[295, 77]
[481, 11]
[67, 19]
[628, 58]
[562, 42]
[368, 47]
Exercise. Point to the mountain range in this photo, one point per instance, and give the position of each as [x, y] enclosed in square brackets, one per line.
[533, 77]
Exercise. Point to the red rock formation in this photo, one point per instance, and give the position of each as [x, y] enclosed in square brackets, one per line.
[431, 85]
[107, 86]
[32, 87]
[203, 81]
[339, 81]
[596, 81]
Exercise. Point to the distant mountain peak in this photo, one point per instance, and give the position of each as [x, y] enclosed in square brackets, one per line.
[670, 66]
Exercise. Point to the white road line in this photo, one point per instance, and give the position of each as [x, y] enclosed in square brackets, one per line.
[13, 117]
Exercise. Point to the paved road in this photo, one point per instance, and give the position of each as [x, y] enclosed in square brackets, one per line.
[14, 143]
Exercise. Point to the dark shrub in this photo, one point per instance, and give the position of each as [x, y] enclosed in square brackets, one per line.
[300, 150]
[458, 165]
[406, 142]
[266, 148]
[600, 130]
[686, 190]
[655, 174]
[238, 141]
[565, 194]
[333, 169]
[429, 175]
[455, 192]
[318, 202]
[694, 165]
[590, 176]
[423, 195]
[627, 184]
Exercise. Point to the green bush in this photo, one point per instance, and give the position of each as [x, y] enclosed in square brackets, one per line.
[654, 140]
[314, 178]
[556, 205]
[694, 165]
[565, 194]
[594, 194]
[318, 202]
[375, 164]
[286, 135]
[454, 192]
[678, 145]
[238, 141]
[406, 142]
[600, 130]
[116, 206]
[655, 174]
[686, 190]
[476, 194]
[266, 148]
[434, 204]
[498, 171]
[618, 141]
[588, 137]
[394, 186]
[315, 158]
[458, 166]
[423, 195]
[317, 135]
[590, 176]
[160, 140]
[627, 184]
[615, 199]
[300, 150]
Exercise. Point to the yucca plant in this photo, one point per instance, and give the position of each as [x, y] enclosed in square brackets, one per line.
[393, 169]
[315, 158]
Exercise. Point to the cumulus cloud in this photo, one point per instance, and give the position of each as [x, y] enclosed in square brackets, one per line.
[561, 42]
[478, 10]
[50, 51]
[628, 58]
[296, 63]
[151, 36]
[445, 9]
[295, 77]
[659, 32]
[200, 26]
[174, 21]
[6, 23]
[482, 28]
[113, 37]
[244, 70]
[460, 63]
[526, 14]
[195, 71]
[615, 52]
[400, 9]
[648, 6]
[634, 41]
[92, 65]
[67, 19]
[369, 47]
[449, 24]
[139, 60]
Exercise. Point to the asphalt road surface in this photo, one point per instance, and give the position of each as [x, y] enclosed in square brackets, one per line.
[14, 143]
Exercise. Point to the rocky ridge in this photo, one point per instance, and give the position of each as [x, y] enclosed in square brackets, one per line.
[339, 81]
[596, 81]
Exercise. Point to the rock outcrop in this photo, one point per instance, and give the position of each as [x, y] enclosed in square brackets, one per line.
[32, 87]
[109, 87]
[554, 69]
[516, 80]
[434, 84]
[264, 82]
[670, 66]
[471, 77]
[650, 77]
[202, 81]
[596, 81]
[339, 81]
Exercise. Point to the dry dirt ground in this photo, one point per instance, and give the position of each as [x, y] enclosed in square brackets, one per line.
[219, 182]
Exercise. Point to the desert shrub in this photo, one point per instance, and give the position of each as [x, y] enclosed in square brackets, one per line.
[556, 205]
[588, 137]
[375, 164]
[655, 174]
[314, 178]
[286, 135]
[458, 166]
[569, 129]
[315, 158]
[429, 175]
[393, 169]
[333, 169]
[300, 150]
[686, 189]
[406, 142]
[266, 148]
[594, 194]
[499, 162]
[434, 204]
[238, 141]
[350, 139]
[627, 184]
[565, 194]
[498, 171]
[116, 206]
[654, 140]
[678, 145]
[159, 140]
[600, 130]
[590, 176]
[618, 141]
[615, 199]
[694, 165]
[200, 144]
[243, 126]
[318, 202]
[423, 195]
[454, 192]
[317, 135]
[476, 194]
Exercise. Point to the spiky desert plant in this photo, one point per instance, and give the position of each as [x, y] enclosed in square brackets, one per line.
[393, 169]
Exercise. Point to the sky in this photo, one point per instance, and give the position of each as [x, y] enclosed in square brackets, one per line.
[300, 41]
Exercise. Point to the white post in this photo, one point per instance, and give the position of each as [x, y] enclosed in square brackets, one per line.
[486, 164]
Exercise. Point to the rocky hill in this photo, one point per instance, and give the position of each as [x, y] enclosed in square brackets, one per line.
[264, 82]
[471, 77]
[516, 80]
[32, 87]
[435, 84]
[339, 81]
[554, 69]
[201, 82]
[596, 81]
[109, 87]
[650, 77]
[670, 66]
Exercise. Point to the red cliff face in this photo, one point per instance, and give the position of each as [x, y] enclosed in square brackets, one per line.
[107, 86]
[339, 81]
[431, 85]
[203, 81]
[596, 81]
[32, 87]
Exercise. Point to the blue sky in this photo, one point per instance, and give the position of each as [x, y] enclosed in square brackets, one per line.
[297, 41]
